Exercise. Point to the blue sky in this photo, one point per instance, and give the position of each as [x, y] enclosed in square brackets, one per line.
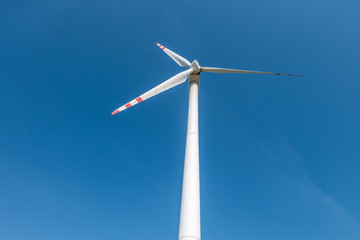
[279, 156]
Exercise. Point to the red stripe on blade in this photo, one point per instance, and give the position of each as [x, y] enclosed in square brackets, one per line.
[115, 112]
[139, 99]
[127, 105]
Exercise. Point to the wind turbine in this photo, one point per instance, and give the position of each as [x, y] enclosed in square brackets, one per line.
[189, 228]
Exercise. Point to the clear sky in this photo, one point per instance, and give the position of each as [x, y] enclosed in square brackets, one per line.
[279, 156]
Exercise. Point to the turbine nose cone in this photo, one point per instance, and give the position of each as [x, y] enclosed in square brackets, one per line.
[195, 65]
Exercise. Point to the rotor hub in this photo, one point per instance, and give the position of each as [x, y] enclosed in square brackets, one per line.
[196, 67]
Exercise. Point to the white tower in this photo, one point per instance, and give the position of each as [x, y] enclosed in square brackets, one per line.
[189, 228]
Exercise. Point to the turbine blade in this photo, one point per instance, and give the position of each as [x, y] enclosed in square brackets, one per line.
[177, 58]
[225, 70]
[170, 83]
